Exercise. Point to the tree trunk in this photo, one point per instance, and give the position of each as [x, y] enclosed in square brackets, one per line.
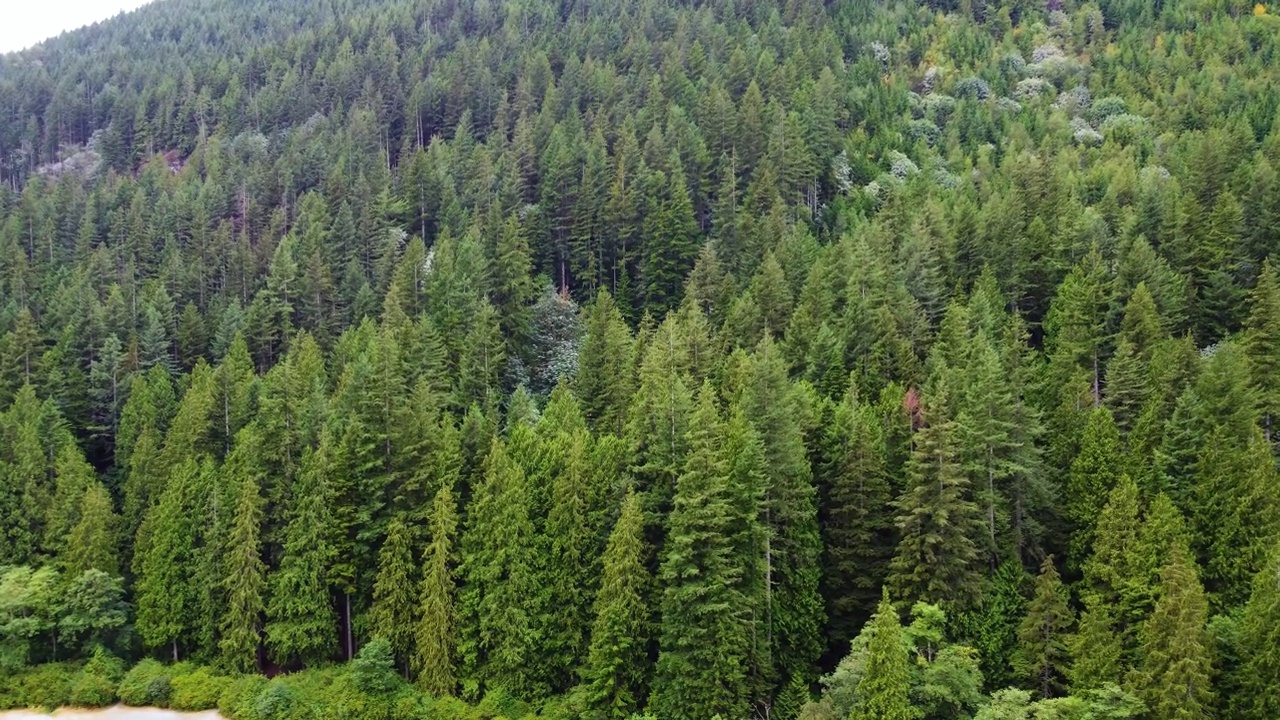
[347, 611]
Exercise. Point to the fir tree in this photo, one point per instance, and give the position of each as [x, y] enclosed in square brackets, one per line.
[1260, 646]
[1042, 651]
[501, 603]
[245, 574]
[1093, 472]
[616, 661]
[883, 691]
[1096, 647]
[165, 594]
[93, 543]
[435, 632]
[703, 642]
[1176, 674]
[937, 557]
[858, 527]
[391, 617]
[301, 628]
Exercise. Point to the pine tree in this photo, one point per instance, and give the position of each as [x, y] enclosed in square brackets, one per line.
[615, 671]
[703, 643]
[244, 573]
[1176, 675]
[937, 558]
[301, 628]
[435, 632]
[883, 691]
[392, 613]
[1042, 651]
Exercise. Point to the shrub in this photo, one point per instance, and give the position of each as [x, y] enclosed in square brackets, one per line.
[239, 694]
[277, 701]
[43, 686]
[197, 690]
[92, 690]
[147, 683]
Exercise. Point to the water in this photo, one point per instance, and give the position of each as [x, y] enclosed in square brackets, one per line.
[117, 712]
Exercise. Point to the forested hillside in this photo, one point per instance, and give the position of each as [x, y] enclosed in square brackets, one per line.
[728, 359]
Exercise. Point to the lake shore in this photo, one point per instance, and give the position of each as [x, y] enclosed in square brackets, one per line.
[115, 712]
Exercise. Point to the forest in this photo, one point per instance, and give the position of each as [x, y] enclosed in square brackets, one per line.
[652, 359]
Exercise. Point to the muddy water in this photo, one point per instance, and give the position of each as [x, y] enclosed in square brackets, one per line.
[118, 712]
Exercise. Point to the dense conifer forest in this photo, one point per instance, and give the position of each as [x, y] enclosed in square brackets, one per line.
[663, 359]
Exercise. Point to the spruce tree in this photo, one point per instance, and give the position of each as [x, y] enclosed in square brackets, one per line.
[1042, 650]
[391, 617]
[615, 672]
[883, 692]
[435, 631]
[1175, 677]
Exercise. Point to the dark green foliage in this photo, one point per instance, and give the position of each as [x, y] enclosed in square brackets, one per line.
[703, 639]
[937, 557]
[1042, 649]
[292, 355]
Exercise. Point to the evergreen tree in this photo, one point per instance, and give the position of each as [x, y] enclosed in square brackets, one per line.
[858, 522]
[501, 602]
[703, 643]
[1093, 472]
[937, 557]
[245, 574]
[1176, 675]
[1260, 646]
[1042, 651]
[793, 606]
[1262, 343]
[94, 542]
[1096, 647]
[391, 617]
[301, 628]
[166, 596]
[615, 672]
[435, 632]
[605, 381]
[883, 690]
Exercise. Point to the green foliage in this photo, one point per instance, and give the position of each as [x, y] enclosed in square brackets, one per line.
[967, 286]
[883, 690]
